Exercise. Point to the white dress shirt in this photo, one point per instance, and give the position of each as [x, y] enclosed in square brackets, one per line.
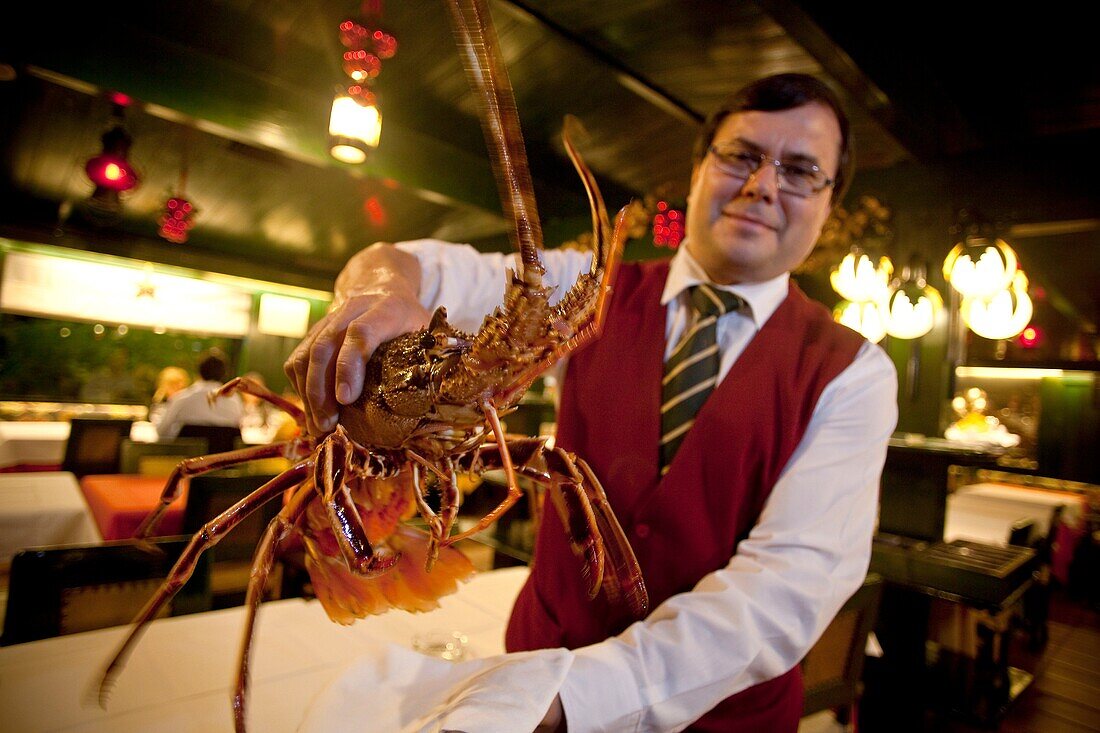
[757, 617]
[190, 407]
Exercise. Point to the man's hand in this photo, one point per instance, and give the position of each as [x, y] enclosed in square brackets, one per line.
[376, 299]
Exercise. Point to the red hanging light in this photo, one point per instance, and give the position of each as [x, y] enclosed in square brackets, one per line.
[1031, 337]
[177, 219]
[111, 169]
[178, 215]
[668, 226]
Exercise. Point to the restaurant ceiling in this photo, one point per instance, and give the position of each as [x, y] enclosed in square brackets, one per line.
[240, 90]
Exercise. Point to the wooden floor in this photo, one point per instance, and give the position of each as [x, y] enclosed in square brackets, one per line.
[1063, 697]
[1065, 693]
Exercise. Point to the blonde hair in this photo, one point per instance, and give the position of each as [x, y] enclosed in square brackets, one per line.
[170, 380]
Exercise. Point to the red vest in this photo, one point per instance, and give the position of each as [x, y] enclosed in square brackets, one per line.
[689, 523]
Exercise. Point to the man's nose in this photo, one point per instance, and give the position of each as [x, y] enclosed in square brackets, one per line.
[763, 183]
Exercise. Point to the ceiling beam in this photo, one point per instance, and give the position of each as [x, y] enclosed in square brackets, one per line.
[629, 78]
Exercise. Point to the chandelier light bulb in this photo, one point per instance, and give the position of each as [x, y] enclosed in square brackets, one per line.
[1003, 315]
[978, 268]
[859, 280]
[866, 318]
[907, 319]
[912, 305]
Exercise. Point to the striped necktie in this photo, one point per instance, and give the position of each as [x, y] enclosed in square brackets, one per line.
[691, 371]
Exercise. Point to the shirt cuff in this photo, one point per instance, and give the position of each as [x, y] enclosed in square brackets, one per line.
[612, 704]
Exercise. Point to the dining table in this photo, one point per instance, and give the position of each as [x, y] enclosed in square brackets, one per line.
[42, 508]
[30, 445]
[180, 676]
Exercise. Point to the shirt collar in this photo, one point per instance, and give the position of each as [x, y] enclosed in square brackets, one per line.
[763, 297]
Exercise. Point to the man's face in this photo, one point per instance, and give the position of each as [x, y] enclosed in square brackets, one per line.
[747, 230]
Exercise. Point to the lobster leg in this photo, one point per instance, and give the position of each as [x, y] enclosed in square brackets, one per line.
[435, 524]
[514, 491]
[439, 525]
[203, 464]
[624, 584]
[210, 534]
[586, 514]
[243, 384]
[332, 471]
[263, 560]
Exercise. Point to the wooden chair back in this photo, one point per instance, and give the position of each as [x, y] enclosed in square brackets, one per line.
[72, 588]
[94, 445]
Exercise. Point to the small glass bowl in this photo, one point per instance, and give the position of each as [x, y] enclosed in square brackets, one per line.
[449, 645]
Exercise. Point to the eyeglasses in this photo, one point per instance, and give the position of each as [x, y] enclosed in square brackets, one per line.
[797, 179]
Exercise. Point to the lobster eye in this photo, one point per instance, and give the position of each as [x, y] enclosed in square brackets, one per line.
[427, 340]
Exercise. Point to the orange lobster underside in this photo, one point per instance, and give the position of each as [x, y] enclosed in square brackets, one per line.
[346, 596]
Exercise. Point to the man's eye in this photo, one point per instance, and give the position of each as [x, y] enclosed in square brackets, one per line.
[743, 157]
[798, 171]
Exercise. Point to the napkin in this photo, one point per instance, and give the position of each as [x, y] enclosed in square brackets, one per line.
[403, 691]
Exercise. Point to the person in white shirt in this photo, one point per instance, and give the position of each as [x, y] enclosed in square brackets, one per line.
[720, 649]
[191, 406]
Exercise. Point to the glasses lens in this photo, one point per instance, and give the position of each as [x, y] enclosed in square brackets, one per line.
[800, 180]
[794, 178]
[735, 162]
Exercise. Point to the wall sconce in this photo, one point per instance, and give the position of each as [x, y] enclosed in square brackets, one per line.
[912, 304]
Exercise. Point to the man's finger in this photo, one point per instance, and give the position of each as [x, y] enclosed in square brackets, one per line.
[319, 392]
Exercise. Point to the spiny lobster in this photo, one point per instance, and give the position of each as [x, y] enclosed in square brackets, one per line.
[430, 410]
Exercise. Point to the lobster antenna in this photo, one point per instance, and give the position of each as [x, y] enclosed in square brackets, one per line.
[485, 71]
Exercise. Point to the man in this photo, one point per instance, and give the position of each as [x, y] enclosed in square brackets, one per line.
[753, 519]
[191, 406]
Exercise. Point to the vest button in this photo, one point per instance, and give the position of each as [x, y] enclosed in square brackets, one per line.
[641, 530]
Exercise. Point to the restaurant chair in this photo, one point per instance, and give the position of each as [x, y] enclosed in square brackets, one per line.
[219, 438]
[159, 458]
[833, 669]
[210, 494]
[94, 445]
[67, 589]
[1035, 609]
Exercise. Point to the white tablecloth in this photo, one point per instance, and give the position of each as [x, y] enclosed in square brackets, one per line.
[42, 508]
[986, 512]
[32, 443]
[180, 676]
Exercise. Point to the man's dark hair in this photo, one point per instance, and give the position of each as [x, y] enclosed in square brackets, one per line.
[775, 94]
[214, 366]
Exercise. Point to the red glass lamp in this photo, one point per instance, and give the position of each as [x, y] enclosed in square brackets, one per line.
[111, 169]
